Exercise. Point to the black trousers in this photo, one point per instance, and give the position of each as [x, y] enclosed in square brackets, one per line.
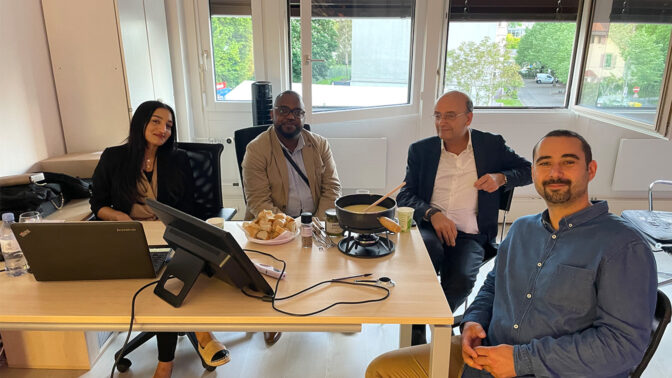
[166, 343]
[458, 265]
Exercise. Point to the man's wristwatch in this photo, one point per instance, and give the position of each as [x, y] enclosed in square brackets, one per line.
[430, 212]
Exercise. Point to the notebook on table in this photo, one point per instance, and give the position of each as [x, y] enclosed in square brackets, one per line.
[88, 250]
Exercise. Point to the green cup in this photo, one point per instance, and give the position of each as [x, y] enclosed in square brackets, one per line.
[405, 216]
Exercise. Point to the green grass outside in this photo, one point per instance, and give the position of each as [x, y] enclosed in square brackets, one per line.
[509, 102]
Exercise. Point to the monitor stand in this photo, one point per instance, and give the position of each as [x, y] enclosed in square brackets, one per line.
[185, 267]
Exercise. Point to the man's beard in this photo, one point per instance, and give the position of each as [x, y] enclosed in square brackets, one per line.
[557, 196]
[287, 135]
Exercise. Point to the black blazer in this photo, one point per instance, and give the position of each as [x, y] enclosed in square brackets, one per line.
[491, 154]
[108, 169]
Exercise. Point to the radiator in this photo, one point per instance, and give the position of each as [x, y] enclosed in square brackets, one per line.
[640, 162]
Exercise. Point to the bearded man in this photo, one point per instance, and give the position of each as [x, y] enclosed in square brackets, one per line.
[573, 290]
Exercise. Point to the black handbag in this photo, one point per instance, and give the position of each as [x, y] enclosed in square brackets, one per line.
[45, 196]
[71, 187]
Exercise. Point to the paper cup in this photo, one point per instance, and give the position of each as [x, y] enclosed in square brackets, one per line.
[217, 222]
[405, 216]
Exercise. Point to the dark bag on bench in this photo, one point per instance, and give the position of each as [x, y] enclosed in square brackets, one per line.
[45, 196]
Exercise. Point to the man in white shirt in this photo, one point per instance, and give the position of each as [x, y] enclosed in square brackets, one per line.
[453, 182]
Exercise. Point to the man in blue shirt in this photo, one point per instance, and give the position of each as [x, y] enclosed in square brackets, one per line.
[573, 291]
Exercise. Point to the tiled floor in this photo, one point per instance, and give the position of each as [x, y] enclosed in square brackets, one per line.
[298, 354]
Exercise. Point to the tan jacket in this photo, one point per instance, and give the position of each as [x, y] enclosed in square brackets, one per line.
[266, 179]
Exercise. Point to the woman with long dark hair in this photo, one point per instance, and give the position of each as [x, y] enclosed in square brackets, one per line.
[149, 165]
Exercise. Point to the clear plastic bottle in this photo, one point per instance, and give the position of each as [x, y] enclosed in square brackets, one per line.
[307, 230]
[15, 263]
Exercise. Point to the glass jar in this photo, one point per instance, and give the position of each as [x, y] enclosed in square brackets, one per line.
[306, 230]
[331, 224]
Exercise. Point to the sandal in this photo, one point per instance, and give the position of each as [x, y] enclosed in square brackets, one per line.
[211, 350]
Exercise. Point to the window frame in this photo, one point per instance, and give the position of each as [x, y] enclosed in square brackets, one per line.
[353, 114]
[206, 63]
[661, 128]
[570, 79]
[426, 78]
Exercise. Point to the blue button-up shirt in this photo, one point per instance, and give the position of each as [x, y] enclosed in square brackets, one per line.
[577, 301]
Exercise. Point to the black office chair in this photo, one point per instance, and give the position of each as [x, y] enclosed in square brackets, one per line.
[505, 199]
[204, 159]
[660, 321]
[241, 138]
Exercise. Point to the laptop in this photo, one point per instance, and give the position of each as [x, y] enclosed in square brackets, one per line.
[88, 250]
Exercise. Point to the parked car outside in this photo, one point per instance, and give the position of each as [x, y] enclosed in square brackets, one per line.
[543, 78]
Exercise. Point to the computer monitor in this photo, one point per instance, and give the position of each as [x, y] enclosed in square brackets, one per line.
[200, 247]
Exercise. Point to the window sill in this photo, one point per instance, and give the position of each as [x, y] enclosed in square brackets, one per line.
[629, 124]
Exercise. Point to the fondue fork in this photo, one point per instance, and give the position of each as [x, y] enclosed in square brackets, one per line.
[321, 233]
[319, 241]
[383, 197]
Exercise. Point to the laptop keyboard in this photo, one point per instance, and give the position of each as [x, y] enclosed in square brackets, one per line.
[159, 257]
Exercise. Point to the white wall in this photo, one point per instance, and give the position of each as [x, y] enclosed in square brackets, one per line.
[30, 125]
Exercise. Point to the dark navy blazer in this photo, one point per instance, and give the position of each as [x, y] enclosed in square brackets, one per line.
[491, 154]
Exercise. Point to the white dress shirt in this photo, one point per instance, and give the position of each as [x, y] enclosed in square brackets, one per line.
[300, 199]
[454, 192]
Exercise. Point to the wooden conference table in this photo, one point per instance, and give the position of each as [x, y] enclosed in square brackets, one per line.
[213, 305]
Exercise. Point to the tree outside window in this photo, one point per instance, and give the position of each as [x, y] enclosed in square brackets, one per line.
[232, 56]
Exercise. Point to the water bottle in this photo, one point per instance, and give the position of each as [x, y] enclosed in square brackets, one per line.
[15, 263]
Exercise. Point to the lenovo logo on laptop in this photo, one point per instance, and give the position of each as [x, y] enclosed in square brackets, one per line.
[125, 229]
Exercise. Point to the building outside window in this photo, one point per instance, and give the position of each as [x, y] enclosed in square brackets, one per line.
[626, 58]
[360, 53]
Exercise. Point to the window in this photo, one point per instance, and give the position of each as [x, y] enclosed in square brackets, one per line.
[233, 58]
[359, 53]
[607, 60]
[634, 41]
[511, 54]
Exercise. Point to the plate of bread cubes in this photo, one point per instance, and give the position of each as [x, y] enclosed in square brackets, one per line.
[269, 228]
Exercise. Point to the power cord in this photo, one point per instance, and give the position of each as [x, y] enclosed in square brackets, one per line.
[267, 298]
[341, 280]
[130, 326]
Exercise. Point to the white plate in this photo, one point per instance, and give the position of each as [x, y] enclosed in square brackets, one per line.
[283, 238]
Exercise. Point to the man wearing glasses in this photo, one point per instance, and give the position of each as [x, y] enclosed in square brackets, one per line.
[572, 293]
[452, 182]
[287, 168]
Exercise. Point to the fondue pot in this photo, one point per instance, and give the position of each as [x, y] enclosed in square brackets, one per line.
[363, 223]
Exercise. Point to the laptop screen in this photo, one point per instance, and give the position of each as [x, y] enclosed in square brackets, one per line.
[85, 250]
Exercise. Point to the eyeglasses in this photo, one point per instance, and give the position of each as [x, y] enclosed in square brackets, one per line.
[284, 111]
[451, 116]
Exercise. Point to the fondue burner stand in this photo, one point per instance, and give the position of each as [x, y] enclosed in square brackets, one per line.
[358, 243]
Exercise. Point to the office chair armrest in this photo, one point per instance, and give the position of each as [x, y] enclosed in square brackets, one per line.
[457, 321]
[227, 213]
